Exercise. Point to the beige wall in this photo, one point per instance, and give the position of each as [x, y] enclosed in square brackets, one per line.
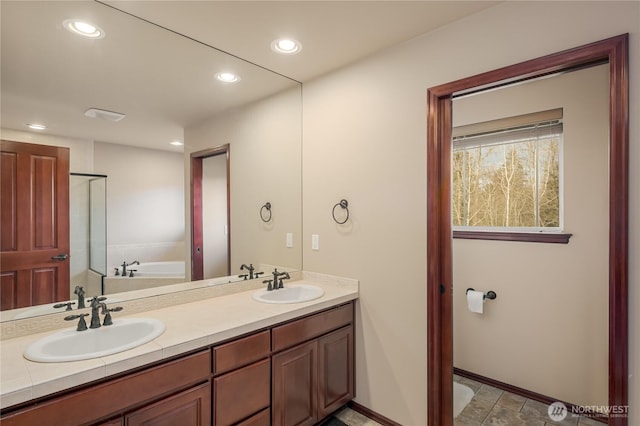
[364, 133]
[547, 330]
[80, 154]
[265, 152]
[145, 202]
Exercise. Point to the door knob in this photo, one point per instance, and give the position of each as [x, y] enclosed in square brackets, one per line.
[60, 257]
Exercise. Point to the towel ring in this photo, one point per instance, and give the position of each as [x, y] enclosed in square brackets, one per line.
[345, 205]
[267, 207]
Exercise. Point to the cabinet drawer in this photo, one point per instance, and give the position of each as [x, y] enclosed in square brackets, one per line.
[241, 352]
[116, 395]
[188, 408]
[241, 393]
[263, 418]
[304, 329]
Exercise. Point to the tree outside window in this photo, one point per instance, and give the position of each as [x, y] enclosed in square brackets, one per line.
[508, 178]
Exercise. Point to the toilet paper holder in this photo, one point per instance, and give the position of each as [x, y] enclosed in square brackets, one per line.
[488, 295]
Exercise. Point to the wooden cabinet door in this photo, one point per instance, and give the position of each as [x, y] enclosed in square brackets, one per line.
[294, 381]
[34, 217]
[241, 393]
[188, 408]
[335, 370]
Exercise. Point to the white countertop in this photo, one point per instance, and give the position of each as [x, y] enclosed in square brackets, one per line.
[188, 326]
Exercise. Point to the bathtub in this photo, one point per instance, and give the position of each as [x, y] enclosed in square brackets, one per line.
[145, 275]
[159, 269]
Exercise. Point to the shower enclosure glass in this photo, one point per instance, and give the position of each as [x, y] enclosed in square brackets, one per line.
[88, 210]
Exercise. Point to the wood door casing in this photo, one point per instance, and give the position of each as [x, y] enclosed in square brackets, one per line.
[34, 215]
[615, 51]
[197, 224]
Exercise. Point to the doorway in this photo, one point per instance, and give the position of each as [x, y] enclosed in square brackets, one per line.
[210, 213]
[439, 228]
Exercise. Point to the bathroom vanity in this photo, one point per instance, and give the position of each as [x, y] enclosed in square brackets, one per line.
[264, 364]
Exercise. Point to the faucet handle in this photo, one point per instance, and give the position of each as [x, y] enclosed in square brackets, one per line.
[269, 287]
[62, 305]
[97, 299]
[243, 276]
[107, 317]
[283, 276]
[82, 325]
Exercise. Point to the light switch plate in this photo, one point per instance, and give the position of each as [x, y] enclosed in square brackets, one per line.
[315, 242]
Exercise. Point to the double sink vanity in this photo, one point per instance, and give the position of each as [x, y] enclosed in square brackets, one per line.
[251, 357]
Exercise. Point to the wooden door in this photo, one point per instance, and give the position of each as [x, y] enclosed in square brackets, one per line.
[335, 371]
[34, 217]
[197, 219]
[294, 378]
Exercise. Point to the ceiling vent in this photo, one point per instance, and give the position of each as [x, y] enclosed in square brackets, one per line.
[104, 114]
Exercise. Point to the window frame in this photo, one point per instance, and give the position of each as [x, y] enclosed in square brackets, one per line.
[538, 234]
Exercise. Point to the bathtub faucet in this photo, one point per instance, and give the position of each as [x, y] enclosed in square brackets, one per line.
[125, 264]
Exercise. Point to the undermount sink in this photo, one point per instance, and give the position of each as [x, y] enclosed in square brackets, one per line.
[72, 345]
[294, 293]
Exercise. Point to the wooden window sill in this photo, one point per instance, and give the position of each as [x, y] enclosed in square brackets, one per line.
[531, 237]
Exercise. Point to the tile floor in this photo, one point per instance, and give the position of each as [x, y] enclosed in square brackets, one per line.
[495, 407]
[353, 418]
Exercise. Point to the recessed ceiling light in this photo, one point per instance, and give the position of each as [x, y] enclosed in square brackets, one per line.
[36, 126]
[286, 46]
[176, 143]
[227, 77]
[83, 28]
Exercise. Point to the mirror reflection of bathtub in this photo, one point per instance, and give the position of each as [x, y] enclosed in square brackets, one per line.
[145, 275]
[153, 274]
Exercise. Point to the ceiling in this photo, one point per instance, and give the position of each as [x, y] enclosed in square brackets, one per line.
[333, 33]
[162, 80]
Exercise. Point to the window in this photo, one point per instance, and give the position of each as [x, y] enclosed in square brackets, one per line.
[507, 174]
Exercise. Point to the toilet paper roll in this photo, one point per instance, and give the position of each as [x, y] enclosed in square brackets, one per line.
[475, 301]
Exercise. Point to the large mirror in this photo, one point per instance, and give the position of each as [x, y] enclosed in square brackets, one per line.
[165, 84]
